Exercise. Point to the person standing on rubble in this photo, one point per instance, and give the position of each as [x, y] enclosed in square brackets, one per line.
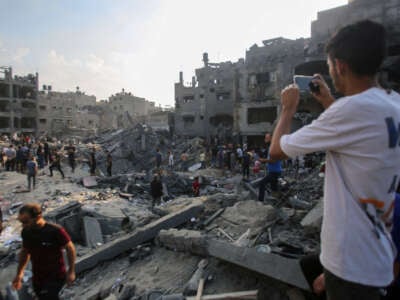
[202, 158]
[109, 163]
[273, 171]
[31, 171]
[11, 155]
[360, 134]
[158, 158]
[71, 156]
[55, 159]
[92, 162]
[184, 158]
[156, 190]
[42, 244]
[46, 149]
[171, 160]
[196, 186]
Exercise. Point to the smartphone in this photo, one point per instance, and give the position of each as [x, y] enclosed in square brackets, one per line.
[305, 83]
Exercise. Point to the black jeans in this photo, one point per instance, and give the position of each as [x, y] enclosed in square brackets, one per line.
[272, 179]
[31, 178]
[57, 167]
[312, 268]
[340, 289]
[48, 290]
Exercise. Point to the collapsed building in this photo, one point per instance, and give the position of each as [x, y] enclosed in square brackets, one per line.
[18, 102]
[239, 101]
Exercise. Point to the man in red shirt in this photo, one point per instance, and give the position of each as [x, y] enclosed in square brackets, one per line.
[196, 186]
[42, 243]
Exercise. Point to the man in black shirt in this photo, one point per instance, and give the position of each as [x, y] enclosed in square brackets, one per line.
[71, 156]
[42, 244]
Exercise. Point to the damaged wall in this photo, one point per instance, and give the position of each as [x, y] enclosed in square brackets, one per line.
[61, 112]
[247, 93]
[18, 102]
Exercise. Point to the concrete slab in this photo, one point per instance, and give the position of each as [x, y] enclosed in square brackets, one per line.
[92, 232]
[73, 226]
[89, 181]
[141, 235]
[271, 265]
[73, 207]
[314, 217]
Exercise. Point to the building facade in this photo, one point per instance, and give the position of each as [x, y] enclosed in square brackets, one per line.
[18, 102]
[239, 102]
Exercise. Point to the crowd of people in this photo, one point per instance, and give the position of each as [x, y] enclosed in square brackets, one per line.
[28, 156]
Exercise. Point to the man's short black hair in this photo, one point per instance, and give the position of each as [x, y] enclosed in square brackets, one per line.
[32, 209]
[361, 45]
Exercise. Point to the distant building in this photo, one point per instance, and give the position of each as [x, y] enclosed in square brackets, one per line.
[125, 102]
[205, 107]
[58, 112]
[18, 102]
[161, 121]
[239, 102]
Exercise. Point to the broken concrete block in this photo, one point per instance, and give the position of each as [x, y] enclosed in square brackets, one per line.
[72, 225]
[194, 167]
[89, 181]
[92, 232]
[250, 214]
[173, 297]
[141, 235]
[183, 240]
[271, 265]
[314, 218]
[73, 207]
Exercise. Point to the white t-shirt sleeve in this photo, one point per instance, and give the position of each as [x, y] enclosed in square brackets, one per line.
[331, 131]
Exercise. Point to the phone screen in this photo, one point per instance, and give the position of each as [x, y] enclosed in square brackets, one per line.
[302, 82]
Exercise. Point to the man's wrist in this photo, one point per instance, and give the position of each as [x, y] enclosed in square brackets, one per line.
[288, 111]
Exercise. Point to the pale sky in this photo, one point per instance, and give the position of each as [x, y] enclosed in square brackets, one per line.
[103, 46]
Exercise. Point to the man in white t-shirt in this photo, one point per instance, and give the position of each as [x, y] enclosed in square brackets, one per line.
[360, 133]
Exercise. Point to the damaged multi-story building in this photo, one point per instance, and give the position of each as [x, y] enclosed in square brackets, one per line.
[60, 112]
[18, 102]
[205, 107]
[239, 102]
[130, 108]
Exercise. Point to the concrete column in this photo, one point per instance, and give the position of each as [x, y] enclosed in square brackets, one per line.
[181, 77]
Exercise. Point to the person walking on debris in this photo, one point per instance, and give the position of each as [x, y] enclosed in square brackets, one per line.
[31, 171]
[184, 158]
[360, 134]
[55, 159]
[202, 158]
[196, 187]
[1, 218]
[158, 158]
[171, 160]
[92, 162]
[273, 171]
[11, 155]
[156, 190]
[109, 163]
[46, 149]
[71, 156]
[40, 155]
[246, 165]
[42, 244]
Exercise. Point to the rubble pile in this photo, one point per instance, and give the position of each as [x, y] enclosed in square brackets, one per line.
[158, 252]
